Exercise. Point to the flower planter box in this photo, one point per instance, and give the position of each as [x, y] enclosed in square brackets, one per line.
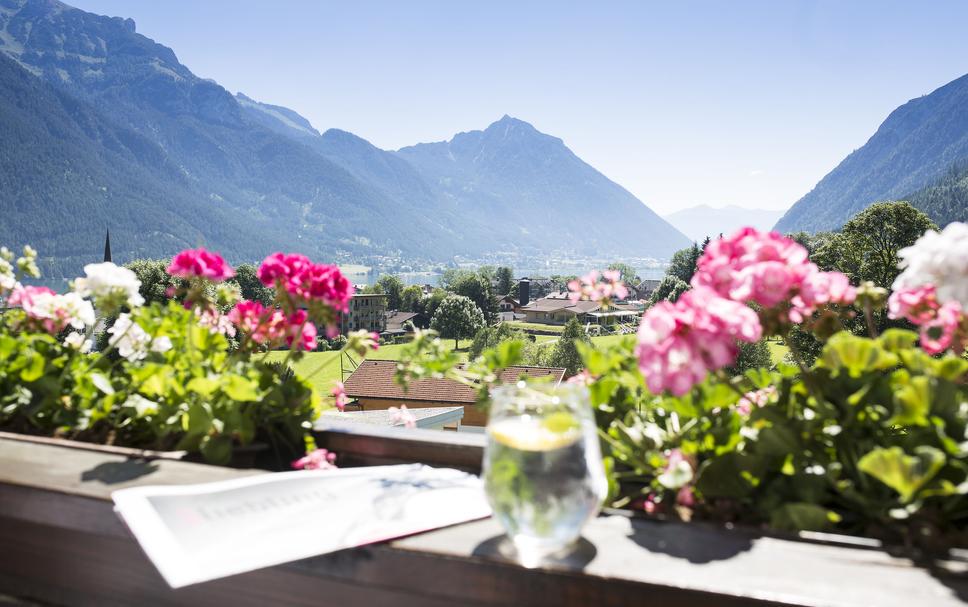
[242, 457]
[63, 544]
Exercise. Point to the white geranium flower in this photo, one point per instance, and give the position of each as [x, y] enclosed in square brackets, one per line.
[7, 278]
[133, 342]
[79, 310]
[76, 341]
[161, 344]
[129, 338]
[141, 404]
[940, 259]
[107, 280]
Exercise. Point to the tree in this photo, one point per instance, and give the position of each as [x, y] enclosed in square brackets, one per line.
[428, 306]
[410, 299]
[478, 289]
[156, 283]
[558, 282]
[250, 285]
[488, 272]
[457, 318]
[683, 264]
[505, 279]
[491, 336]
[669, 289]
[392, 287]
[866, 247]
[451, 276]
[754, 355]
[565, 351]
[628, 274]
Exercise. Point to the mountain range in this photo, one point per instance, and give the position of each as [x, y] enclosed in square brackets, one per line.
[102, 127]
[704, 220]
[916, 154]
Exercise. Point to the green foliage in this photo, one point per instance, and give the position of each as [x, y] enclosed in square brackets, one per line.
[193, 396]
[477, 288]
[629, 275]
[410, 299]
[505, 279]
[427, 306]
[565, 353]
[872, 441]
[156, 284]
[754, 355]
[457, 318]
[491, 336]
[866, 247]
[392, 287]
[669, 289]
[250, 286]
[683, 264]
[945, 200]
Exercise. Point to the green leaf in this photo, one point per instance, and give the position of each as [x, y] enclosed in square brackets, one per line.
[203, 386]
[801, 516]
[951, 368]
[240, 388]
[101, 382]
[913, 400]
[728, 475]
[198, 420]
[777, 441]
[901, 472]
[856, 355]
[34, 368]
[216, 449]
[895, 340]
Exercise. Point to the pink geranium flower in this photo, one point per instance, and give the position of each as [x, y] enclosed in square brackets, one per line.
[770, 270]
[192, 263]
[590, 288]
[939, 333]
[307, 281]
[263, 325]
[339, 393]
[916, 304]
[50, 311]
[402, 416]
[679, 343]
[319, 459]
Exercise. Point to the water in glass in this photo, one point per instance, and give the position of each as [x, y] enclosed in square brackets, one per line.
[543, 470]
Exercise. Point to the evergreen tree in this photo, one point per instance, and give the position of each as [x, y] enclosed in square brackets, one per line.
[504, 280]
[565, 352]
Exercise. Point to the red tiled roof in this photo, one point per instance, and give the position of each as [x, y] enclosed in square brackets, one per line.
[374, 379]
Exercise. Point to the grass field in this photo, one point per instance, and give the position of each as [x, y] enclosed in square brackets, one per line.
[535, 326]
[324, 379]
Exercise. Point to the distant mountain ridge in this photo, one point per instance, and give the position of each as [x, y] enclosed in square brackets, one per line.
[704, 220]
[916, 145]
[195, 145]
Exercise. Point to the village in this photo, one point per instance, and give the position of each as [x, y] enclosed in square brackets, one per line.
[443, 403]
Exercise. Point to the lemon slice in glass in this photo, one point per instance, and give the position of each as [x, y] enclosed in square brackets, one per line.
[546, 434]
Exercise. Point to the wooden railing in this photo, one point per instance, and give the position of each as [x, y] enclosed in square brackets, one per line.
[61, 543]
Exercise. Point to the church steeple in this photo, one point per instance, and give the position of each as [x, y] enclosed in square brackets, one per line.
[107, 246]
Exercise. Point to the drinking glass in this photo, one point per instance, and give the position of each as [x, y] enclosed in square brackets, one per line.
[543, 471]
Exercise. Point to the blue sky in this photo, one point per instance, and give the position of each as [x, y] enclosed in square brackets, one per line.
[683, 103]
